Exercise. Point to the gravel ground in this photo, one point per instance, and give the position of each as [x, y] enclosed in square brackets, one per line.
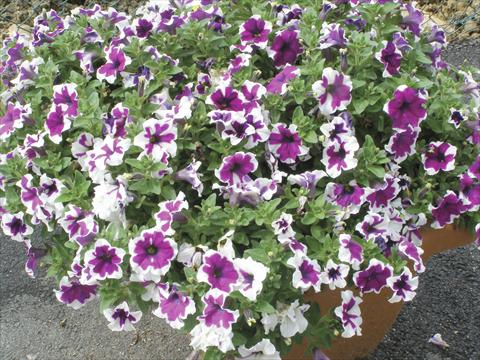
[34, 325]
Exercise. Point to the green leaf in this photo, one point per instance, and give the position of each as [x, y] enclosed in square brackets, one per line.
[264, 307]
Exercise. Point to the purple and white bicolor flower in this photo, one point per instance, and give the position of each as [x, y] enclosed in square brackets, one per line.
[448, 209]
[286, 48]
[381, 195]
[403, 286]
[349, 314]
[278, 85]
[261, 350]
[84, 143]
[236, 168]
[308, 180]
[334, 275]
[27, 73]
[117, 61]
[191, 175]
[402, 143]
[339, 156]
[151, 254]
[252, 274]
[157, 139]
[390, 56]
[374, 277]
[57, 123]
[350, 251]
[332, 35]
[110, 200]
[121, 318]
[457, 117]
[175, 306]
[285, 143]
[439, 156]
[238, 62]
[14, 226]
[412, 252]
[14, 118]
[79, 224]
[215, 314]
[336, 130]
[74, 294]
[204, 336]
[470, 191]
[307, 272]
[170, 211]
[104, 260]
[372, 226]
[219, 272]
[119, 118]
[66, 96]
[407, 107]
[255, 31]
[349, 197]
[282, 227]
[225, 98]
[412, 19]
[333, 91]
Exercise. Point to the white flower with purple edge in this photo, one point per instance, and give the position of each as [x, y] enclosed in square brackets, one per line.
[340, 156]
[104, 260]
[285, 143]
[334, 275]
[333, 91]
[439, 156]
[175, 307]
[121, 318]
[14, 226]
[403, 286]
[151, 254]
[349, 314]
[218, 271]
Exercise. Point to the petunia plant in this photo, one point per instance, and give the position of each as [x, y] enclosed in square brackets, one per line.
[211, 161]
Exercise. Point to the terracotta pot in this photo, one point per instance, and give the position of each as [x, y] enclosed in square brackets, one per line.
[378, 314]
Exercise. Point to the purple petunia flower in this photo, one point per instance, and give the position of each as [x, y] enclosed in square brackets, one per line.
[448, 209]
[336, 130]
[286, 144]
[79, 225]
[29, 195]
[104, 260]
[278, 85]
[121, 318]
[225, 98]
[374, 277]
[333, 91]
[334, 275]
[349, 314]
[13, 119]
[470, 191]
[218, 271]
[332, 35]
[255, 31]
[456, 118]
[282, 227]
[390, 57]
[117, 61]
[143, 28]
[57, 122]
[307, 272]
[402, 143]
[412, 252]
[14, 226]
[33, 255]
[400, 42]
[372, 226]
[169, 212]
[151, 254]
[381, 195]
[413, 19]
[175, 306]
[236, 168]
[349, 197]
[252, 274]
[340, 156]
[307, 180]
[350, 251]
[157, 139]
[215, 314]
[191, 175]
[439, 156]
[406, 107]
[285, 48]
[66, 97]
[403, 286]
[115, 124]
[74, 294]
